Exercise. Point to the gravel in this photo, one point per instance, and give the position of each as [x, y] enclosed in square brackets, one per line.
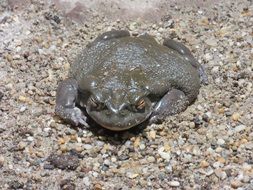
[208, 146]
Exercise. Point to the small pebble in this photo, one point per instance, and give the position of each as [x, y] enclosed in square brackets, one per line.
[22, 145]
[142, 146]
[132, 175]
[204, 164]
[46, 129]
[61, 141]
[67, 184]
[174, 183]
[133, 26]
[79, 148]
[87, 146]
[113, 159]
[22, 109]
[86, 181]
[137, 142]
[209, 172]
[220, 142]
[151, 159]
[239, 128]
[249, 146]
[211, 42]
[165, 155]
[236, 184]
[97, 186]
[235, 116]
[1, 161]
[152, 134]
[220, 174]
[63, 148]
[30, 138]
[219, 149]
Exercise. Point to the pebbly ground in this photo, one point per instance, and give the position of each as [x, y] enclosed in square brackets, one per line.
[208, 146]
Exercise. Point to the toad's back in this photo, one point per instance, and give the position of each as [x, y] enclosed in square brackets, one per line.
[136, 60]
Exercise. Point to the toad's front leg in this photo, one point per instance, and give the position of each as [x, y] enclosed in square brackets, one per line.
[66, 97]
[173, 102]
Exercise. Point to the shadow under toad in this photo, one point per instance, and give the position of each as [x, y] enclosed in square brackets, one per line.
[112, 137]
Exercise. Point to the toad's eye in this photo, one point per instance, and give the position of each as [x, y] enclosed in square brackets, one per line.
[93, 102]
[140, 105]
[96, 104]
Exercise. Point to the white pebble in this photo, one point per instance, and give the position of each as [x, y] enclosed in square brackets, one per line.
[169, 168]
[208, 57]
[142, 146]
[95, 174]
[174, 184]
[46, 129]
[215, 69]
[239, 128]
[113, 159]
[107, 162]
[87, 146]
[200, 12]
[220, 142]
[165, 155]
[30, 138]
[211, 42]
[86, 181]
[22, 109]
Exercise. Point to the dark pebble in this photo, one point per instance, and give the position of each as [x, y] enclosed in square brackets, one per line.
[123, 157]
[80, 134]
[1, 95]
[205, 118]
[56, 19]
[242, 75]
[2, 130]
[229, 172]
[162, 176]
[16, 185]
[75, 153]
[228, 113]
[197, 121]
[4, 20]
[213, 146]
[67, 185]
[105, 167]
[64, 161]
[48, 167]
[166, 18]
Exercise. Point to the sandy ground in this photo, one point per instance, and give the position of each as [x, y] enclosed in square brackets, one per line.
[208, 146]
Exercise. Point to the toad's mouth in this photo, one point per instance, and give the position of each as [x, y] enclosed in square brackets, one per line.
[117, 122]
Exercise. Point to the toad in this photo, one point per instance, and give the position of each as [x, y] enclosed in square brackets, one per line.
[120, 81]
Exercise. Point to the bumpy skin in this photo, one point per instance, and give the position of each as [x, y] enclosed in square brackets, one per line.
[121, 81]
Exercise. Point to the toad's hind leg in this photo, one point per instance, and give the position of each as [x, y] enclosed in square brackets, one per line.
[183, 50]
[173, 102]
[66, 97]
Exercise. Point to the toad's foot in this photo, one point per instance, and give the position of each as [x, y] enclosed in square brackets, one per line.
[66, 97]
[172, 103]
